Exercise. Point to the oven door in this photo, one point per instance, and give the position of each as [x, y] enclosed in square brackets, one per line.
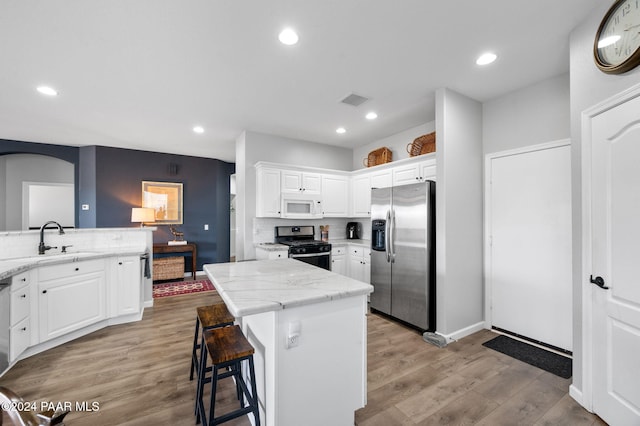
[321, 260]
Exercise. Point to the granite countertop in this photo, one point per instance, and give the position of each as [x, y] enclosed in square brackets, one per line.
[271, 246]
[10, 267]
[344, 242]
[270, 285]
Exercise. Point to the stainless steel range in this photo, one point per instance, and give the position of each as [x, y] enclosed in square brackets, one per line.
[303, 245]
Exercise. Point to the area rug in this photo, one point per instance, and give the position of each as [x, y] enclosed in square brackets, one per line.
[181, 287]
[532, 355]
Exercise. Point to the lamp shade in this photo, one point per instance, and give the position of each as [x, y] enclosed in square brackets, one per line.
[142, 214]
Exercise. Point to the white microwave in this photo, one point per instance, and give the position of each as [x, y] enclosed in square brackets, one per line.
[301, 206]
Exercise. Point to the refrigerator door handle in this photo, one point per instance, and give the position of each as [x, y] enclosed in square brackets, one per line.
[387, 224]
[392, 227]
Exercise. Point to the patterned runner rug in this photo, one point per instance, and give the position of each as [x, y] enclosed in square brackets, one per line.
[181, 287]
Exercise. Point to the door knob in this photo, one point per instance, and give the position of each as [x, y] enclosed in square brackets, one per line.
[599, 281]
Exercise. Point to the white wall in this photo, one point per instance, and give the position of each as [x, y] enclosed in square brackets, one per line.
[29, 168]
[459, 244]
[252, 147]
[397, 143]
[589, 86]
[529, 116]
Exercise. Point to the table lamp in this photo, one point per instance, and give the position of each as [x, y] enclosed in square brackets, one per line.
[142, 215]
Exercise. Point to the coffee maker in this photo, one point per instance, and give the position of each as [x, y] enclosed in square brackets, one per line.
[354, 230]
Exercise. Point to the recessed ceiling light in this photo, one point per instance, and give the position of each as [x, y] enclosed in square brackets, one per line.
[371, 116]
[486, 58]
[198, 129]
[288, 37]
[341, 130]
[46, 90]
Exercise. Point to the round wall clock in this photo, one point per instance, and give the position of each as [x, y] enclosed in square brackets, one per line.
[616, 48]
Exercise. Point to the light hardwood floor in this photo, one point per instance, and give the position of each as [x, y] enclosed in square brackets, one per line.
[138, 373]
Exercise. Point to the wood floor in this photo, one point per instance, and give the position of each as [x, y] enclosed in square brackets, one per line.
[138, 373]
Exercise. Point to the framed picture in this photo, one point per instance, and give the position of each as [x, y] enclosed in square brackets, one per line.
[166, 199]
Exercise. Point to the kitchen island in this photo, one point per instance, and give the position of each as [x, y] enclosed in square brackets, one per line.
[308, 327]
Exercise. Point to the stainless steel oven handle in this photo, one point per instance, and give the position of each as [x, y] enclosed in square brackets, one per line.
[293, 256]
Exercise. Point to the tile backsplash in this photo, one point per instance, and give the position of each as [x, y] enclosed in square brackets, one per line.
[263, 228]
[25, 243]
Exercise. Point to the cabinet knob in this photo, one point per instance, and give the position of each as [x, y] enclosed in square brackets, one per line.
[77, 269]
[119, 263]
[44, 291]
[23, 279]
[22, 296]
[24, 329]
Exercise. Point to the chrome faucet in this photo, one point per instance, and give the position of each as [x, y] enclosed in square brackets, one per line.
[8, 399]
[41, 247]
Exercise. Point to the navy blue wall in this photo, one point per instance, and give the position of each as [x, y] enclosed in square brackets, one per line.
[110, 181]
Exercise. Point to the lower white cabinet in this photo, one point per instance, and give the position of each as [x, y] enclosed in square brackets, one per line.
[70, 296]
[127, 287]
[20, 327]
[339, 260]
[360, 263]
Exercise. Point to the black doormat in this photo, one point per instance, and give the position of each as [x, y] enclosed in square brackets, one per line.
[532, 355]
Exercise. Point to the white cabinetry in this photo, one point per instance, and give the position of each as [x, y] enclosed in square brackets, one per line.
[361, 199]
[71, 296]
[339, 260]
[20, 324]
[300, 182]
[381, 179]
[267, 192]
[412, 173]
[127, 287]
[335, 195]
[360, 263]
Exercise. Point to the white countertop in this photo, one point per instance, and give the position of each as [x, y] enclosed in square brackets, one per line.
[269, 285]
[10, 267]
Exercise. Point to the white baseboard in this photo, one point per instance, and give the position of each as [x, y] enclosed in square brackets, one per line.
[576, 394]
[463, 332]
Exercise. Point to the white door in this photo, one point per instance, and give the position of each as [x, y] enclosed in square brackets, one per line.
[529, 265]
[615, 257]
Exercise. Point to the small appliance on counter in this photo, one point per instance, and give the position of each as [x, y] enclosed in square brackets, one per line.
[354, 230]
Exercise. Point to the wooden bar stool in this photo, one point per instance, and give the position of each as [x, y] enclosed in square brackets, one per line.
[228, 349]
[211, 316]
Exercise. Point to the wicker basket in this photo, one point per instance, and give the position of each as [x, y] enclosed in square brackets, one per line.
[378, 156]
[168, 268]
[422, 145]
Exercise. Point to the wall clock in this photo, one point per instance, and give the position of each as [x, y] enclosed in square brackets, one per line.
[616, 48]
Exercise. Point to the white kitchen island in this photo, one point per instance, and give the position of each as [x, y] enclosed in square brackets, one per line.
[308, 327]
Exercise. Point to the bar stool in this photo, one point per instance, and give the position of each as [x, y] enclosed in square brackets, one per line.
[228, 349]
[207, 317]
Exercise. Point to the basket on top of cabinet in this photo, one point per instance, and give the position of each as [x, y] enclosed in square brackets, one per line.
[378, 156]
[424, 144]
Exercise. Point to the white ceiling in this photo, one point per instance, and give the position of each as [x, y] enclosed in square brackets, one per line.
[141, 73]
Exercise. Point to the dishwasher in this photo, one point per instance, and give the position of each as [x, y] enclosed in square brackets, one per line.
[5, 302]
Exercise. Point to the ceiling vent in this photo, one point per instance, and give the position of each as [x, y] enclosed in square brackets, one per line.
[354, 100]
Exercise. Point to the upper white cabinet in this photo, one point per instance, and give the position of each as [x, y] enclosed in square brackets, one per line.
[267, 192]
[382, 179]
[342, 194]
[361, 199]
[335, 195]
[301, 182]
[412, 173]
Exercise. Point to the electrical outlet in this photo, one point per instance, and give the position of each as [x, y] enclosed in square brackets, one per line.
[293, 337]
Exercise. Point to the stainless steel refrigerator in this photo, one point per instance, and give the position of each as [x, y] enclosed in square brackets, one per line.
[403, 253]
